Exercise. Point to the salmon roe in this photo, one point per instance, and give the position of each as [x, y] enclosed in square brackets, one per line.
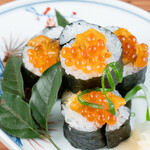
[132, 51]
[88, 53]
[100, 116]
[44, 52]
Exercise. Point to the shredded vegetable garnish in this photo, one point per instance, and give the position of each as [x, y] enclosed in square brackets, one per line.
[119, 77]
[130, 95]
[97, 106]
[106, 72]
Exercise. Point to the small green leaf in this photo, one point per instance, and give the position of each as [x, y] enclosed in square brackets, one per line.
[60, 19]
[12, 79]
[130, 95]
[44, 94]
[15, 117]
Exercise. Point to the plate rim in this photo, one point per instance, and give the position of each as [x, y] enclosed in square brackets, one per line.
[4, 138]
[4, 9]
[123, 6]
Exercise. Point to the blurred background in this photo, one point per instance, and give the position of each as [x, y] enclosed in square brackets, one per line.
[144, 4]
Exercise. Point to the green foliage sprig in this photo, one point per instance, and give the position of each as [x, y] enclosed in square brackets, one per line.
[15, 113]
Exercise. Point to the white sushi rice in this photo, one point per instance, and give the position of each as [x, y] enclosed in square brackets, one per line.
[78, 122]
[113, 44]
[129, 69]
[112, 28]
[27, 64]
[52, 33]
[122, 115]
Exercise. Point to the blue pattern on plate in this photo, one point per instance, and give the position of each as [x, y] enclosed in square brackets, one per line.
[16, 140]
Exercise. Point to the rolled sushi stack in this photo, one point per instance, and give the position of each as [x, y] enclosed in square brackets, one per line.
[135, 58]
[86, 51]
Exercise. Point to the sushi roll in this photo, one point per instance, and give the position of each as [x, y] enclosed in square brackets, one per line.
[135, 58]
[86, 51]
[41, 52]
[90, 128]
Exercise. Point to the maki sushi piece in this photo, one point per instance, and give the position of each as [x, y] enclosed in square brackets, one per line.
[86, 51]
[89, 128]
[41, 52]
[135, 58]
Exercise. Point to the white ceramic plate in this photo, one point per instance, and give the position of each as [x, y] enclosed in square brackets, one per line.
[20, 20]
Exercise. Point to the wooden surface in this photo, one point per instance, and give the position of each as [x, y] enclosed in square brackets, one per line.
[2, 147]
[144, 4]
[5, 1]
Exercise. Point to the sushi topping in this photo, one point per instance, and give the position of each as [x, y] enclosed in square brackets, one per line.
[44, 52]
[100, 116]
[132, 51]
[88, 53]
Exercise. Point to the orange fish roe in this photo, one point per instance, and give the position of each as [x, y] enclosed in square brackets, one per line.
[88, 52]
[45, 52]
[100, 116]
[132, 51]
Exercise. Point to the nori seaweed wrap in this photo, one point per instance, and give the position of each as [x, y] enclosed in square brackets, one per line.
[131, 81]
[114, 138]
[85, 140]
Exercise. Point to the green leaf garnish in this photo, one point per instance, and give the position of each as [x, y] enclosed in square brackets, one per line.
[44, 94]
[60, 19]
[12, 79]
[119, 77]
[130, 95]
[15, 117]
[15, 114]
